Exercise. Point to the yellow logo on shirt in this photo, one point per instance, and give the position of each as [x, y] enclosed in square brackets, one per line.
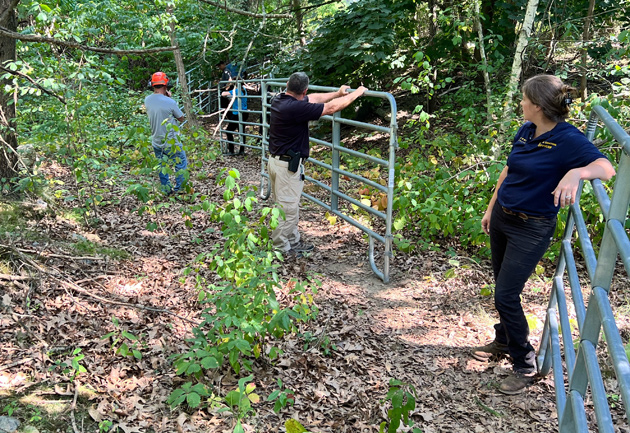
[547, 145]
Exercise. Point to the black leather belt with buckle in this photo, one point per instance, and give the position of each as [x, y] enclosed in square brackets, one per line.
[521, 215]
[282, 157]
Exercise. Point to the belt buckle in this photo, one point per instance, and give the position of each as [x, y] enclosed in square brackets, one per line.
[523, 216]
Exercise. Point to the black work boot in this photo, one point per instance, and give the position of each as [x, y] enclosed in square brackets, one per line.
[489, 351]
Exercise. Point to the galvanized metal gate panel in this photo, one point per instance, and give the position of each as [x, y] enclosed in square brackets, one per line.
[337, 150]
[269, 87]
[583, 369]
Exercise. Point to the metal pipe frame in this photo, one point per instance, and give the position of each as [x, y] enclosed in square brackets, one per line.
[241, 124]
[583, 368]
[337, 150]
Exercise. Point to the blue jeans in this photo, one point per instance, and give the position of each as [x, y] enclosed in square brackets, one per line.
[176, 155]
[517, 246]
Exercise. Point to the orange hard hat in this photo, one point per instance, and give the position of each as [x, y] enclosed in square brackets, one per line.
[159, 78]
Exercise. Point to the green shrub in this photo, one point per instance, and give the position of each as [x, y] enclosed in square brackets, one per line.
[243, 314]
[441, 194]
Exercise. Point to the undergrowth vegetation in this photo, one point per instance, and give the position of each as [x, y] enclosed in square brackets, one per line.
[242, 314]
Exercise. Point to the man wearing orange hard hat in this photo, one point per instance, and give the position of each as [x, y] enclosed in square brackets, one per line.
[165, 118]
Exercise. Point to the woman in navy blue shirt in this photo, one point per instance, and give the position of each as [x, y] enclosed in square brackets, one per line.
[549, 157]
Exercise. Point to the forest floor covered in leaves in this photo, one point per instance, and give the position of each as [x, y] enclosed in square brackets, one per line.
[418, 329]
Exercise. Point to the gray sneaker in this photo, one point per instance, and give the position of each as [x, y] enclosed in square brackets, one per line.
[489, 351]
[302, 247]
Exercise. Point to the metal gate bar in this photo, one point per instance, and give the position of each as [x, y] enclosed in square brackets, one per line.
[261, 141]
[256, 143]
[583, 369]
[202, 99]
[337, 149]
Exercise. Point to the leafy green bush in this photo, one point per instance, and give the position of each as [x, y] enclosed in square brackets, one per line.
[402, 397]
[243, 313]
[442, 193]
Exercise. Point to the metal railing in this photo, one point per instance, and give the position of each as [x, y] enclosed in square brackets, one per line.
[259, 95]
[251, 138]
[582, 368]
[204, 94]
[337, 152]
[203, 98]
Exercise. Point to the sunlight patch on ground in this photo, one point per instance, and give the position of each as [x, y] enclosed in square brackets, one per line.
[129, 289]
[10, 381]
[50, 407]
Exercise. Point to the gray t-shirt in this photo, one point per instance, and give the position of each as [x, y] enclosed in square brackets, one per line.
[160, 107]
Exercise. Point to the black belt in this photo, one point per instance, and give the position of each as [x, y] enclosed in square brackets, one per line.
[522, 215]
[282, 157]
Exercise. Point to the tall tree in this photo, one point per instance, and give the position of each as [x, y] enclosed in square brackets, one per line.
[181, 73]
[586, 36]
[515, 75]
[8, 137]
[482, 53]
[299, 19]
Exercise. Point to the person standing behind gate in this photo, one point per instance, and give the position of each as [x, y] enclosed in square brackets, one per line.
[289, 148]
[239, 104]
[162, 110]
[549, 157]
[226, 72]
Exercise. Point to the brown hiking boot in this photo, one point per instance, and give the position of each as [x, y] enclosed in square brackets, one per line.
[489, 351]
[516, 383]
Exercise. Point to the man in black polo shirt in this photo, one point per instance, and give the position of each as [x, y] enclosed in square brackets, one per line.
[288, 135]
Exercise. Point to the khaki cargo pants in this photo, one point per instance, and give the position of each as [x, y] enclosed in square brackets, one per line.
[286, 188]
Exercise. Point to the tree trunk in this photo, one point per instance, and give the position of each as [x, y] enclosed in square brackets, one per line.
[585, 39]
[299, 20]
[431, 101]
[515, 75]
[482, 52]
[8, 137]
[432, 22]
[181, 74]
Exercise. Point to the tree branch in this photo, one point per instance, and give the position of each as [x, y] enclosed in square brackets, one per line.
[73, 406]
[69, 44]
[45, 254]
[83, 291]
[14, 277]
[246, 13]
[19, 74]
[318, 5]
[262, 34]
[74, 286]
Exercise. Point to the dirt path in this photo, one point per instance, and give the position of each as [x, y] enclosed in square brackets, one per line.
[416, 329]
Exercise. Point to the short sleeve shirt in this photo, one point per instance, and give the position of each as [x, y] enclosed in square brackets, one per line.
[536, 166]
[288, 128]
[240, 102]
[160, 107]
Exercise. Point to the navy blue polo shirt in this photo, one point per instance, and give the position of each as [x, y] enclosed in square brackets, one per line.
[288, 126]
[536, 166]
